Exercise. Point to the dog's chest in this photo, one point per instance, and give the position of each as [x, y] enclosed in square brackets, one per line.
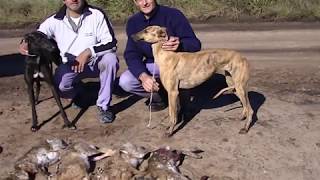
[35, 67]
[38, 74]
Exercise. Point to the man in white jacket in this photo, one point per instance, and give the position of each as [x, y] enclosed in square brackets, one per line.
[88, 49]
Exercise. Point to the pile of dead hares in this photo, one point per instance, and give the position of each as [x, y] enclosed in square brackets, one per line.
[56, 159]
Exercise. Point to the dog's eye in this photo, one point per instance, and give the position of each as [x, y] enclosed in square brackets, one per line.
[25, 40]
[22, 41]
[161, 33]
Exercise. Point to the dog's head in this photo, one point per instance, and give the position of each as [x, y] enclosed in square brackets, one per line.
[40, 45]
[38, 42]
[151, 34]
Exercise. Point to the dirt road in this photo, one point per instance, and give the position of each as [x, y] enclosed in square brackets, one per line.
[283, 143]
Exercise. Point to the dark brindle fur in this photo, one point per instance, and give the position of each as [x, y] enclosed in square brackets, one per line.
[42, 52]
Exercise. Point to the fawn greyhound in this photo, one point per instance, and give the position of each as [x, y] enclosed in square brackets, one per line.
[187, 70]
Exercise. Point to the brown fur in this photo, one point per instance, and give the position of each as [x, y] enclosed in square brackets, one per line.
[123, 164]
[76, 163]
[187, 70]
[39, 158]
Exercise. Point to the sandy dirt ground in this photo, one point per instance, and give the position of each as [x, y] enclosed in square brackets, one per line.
[284, 91]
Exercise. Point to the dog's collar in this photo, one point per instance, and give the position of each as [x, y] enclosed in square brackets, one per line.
[27, 53]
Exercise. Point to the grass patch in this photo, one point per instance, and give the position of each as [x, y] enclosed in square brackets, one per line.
[17, 12]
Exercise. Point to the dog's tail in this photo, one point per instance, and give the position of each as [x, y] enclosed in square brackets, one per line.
[223, 90]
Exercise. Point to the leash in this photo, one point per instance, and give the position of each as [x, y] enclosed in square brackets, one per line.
[151, 95]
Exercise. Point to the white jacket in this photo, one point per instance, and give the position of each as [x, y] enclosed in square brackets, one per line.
[95, 33]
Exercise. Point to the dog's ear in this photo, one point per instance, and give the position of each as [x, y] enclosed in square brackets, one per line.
[40, 34]
[30, 40]
[163, 33]
[27, 38]
[33, 44]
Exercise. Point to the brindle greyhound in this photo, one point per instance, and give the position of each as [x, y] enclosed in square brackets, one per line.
[187, 70]
[42, 52]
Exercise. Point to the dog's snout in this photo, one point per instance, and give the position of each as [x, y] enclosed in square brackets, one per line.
[136, 37]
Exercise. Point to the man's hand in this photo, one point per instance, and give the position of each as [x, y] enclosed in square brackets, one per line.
[171, 44]
[148, 83]
[81, 60]
[23, 48]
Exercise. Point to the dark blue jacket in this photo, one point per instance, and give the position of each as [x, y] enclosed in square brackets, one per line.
[137, 54]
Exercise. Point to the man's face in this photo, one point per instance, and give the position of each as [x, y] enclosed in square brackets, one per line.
[145, 6]
[74, 5]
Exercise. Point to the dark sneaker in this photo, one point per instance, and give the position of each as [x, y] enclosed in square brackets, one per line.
[105, 116]
[156, 106]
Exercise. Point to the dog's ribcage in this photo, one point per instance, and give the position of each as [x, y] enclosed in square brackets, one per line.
[193, 73]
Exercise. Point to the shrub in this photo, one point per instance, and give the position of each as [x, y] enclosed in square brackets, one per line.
[30, 11]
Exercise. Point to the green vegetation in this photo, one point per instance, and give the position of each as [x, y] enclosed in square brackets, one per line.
[20, 12]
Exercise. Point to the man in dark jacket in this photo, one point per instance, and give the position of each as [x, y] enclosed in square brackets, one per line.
[138, 78]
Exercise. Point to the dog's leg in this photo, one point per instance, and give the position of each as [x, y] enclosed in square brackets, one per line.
[247, 110]
[240, 76]
[48, 78]
[173, 110]
[67, 123]
[229, 80]
[172, 87]
[28, 77]
[37, 91]
[34, 126]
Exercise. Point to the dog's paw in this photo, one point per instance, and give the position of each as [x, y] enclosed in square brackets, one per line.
[34, 128]
[72, 127]
[243, 131]
[168, 134]
[243, 117]
[36, 101]
[69, 126]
